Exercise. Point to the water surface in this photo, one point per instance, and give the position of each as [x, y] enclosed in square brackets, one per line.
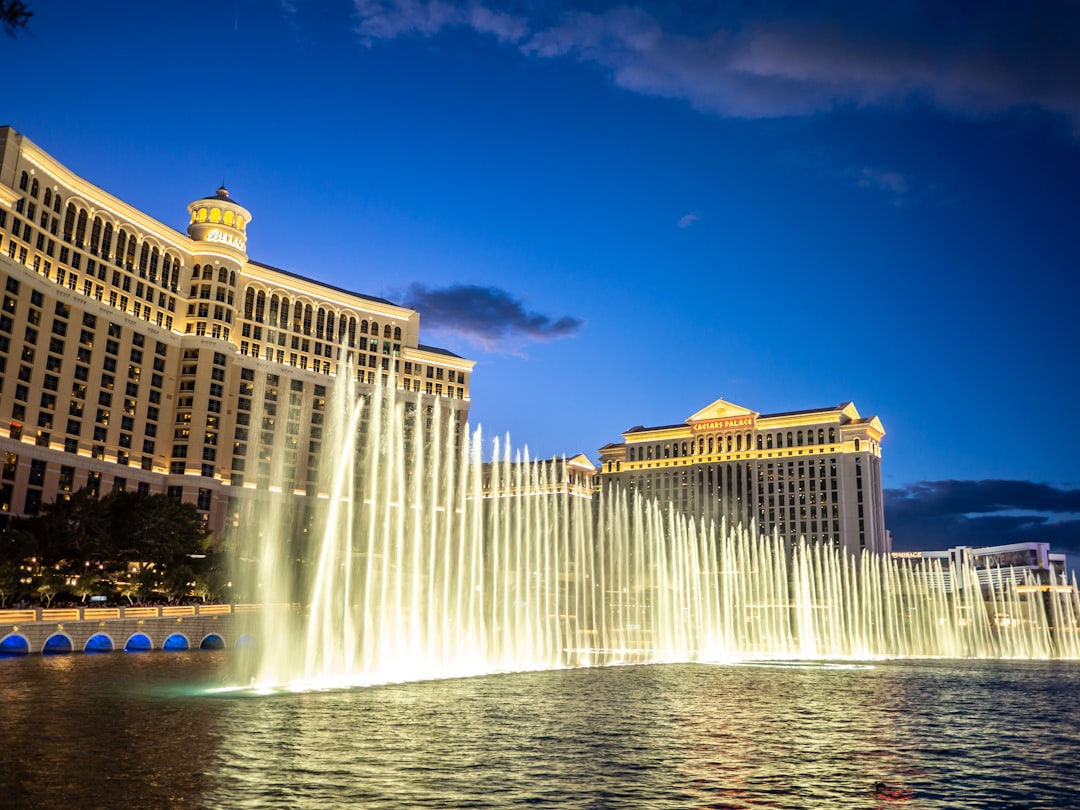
[139, 731]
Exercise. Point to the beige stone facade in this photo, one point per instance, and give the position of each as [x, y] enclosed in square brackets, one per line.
[813, 474]
[136, 357]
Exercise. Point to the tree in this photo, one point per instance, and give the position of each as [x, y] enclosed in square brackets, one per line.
[14, 16]
[49, 583]
[73, 531]
[155, 530]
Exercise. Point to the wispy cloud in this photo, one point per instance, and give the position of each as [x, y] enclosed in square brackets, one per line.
[787, 58]
[488, 316]
[941, 514]
[686, 220]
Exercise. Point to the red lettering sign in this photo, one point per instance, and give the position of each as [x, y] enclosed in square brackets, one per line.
[723, 424]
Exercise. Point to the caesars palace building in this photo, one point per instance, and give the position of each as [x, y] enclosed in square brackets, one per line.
[135, 357]
[813, 474]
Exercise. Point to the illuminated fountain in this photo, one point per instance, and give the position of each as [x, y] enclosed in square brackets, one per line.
[417, 561]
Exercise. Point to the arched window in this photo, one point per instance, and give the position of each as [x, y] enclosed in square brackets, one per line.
[363, 327]
[69, 222]
[283, 315]
[95, 236]
[738, 443]
[856, 445]
[207, 272]
[215, 215]
[228, 220]
[260, 306]
[106, 240]
[24, 181]
[375, 328]
[249, 303]
[154, 261]
[195, 272]
[684, 448]
[330, 325]
[387, 332]
[34, 188]
[352, 333]
[320, 323]
[768, 441]
[202, 215]
[121, 246]
[144, 259]
[175, 281]
[307, 319]
[789, 444]
[56, 204]
[80, 228]
[223, 275]
[273, 310]
[798, 438]
[832, 435]
[711, 450]
[820, 436]
[397, 333]
[47, 199]
[130, 261]
[759, 442]
[297, 316]
[232, 278]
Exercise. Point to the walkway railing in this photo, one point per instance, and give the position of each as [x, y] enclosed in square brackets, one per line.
[75, 614]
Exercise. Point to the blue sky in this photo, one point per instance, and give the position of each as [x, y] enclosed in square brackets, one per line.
[623, 211]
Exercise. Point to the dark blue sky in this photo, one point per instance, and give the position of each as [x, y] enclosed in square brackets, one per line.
[623, 211]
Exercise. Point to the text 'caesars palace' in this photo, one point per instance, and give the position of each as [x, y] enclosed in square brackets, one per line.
[131, 357]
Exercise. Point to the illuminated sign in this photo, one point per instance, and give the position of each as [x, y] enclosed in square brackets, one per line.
[223, 238]
[907, 555]
[724, 424]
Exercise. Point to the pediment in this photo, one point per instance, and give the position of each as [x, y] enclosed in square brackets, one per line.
[719, 411]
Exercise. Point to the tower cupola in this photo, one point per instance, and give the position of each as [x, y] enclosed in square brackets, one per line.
[220, 221]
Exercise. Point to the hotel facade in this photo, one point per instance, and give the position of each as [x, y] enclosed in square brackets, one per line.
[814, 474]
[136, 357]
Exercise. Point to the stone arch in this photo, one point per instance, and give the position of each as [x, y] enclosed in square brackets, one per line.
[212, 641]
[98, 643]
[14, 644]
[138, 642]
[176, 642]
[57, 644]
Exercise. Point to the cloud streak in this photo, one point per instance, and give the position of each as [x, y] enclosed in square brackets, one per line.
[487, 315]
[941, 514]
[787, 58]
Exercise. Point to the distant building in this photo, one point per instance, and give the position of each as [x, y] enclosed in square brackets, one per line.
[575, 476]
[813, 473]
[136, 357]
[995, 567]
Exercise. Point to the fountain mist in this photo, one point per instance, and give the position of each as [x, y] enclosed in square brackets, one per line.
[416, 560]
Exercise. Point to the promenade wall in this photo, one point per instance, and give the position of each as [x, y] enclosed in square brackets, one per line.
[104, 629]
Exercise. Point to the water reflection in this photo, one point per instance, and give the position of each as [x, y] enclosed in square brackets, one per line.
[121, 730]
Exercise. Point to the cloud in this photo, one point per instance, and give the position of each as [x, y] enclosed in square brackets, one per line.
[786, 57]
[942, 514]
[487, 315]
[687, 220]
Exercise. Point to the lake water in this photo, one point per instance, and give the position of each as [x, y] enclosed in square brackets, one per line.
[138, 731]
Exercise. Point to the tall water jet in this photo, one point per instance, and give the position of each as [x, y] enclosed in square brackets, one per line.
[417, 559]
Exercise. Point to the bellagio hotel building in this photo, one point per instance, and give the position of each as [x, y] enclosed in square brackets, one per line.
[814, 474]
[135, 357]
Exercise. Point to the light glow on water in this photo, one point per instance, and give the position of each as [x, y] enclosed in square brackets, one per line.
[417, 562]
